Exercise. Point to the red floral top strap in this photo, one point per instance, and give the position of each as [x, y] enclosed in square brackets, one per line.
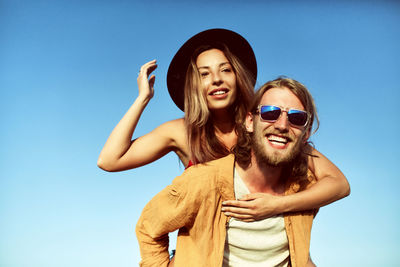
[189, 164]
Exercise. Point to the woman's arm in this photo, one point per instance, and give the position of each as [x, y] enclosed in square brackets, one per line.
[120, 152]
[331, 186]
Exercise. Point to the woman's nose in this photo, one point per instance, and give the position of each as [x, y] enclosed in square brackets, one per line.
[217, 79]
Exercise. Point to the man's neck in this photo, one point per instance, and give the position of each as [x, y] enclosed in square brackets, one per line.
[262, 178]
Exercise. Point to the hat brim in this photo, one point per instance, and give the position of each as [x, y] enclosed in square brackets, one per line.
[179, 64]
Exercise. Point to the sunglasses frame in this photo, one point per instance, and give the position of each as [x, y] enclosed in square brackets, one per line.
[282, 110]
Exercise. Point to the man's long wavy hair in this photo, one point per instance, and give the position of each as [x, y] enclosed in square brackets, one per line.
[203, 144]
[298, 167]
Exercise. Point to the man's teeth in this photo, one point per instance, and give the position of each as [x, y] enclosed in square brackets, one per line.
[277, 139]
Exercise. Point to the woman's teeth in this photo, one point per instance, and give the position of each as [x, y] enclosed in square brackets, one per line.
[219, 92]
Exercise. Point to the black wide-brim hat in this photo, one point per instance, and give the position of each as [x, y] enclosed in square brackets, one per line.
[179, 64]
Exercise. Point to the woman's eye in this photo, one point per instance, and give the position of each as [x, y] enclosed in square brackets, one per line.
[226, 70]
[203, 74]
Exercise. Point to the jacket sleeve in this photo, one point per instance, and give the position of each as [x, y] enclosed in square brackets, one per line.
[173, 208]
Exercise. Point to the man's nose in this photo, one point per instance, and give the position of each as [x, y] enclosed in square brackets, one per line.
[282, 123]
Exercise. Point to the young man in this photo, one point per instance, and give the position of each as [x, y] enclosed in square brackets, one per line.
[270, 157]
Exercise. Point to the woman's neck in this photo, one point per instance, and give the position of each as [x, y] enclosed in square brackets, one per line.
[225, 130]
[223, 127]
[223, 121]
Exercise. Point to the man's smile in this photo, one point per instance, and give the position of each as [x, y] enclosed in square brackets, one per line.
[278, 141]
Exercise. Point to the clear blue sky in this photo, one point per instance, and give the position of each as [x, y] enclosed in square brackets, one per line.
[68, 74]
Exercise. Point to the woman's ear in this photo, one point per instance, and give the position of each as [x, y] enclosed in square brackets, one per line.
[249, 122]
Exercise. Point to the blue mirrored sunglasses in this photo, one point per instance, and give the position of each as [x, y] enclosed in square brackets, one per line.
[296, 117]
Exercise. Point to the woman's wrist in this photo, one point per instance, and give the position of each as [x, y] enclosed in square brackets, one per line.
[284, 204]
[143, 100]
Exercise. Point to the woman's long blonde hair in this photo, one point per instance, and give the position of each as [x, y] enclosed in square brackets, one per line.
[203, 144]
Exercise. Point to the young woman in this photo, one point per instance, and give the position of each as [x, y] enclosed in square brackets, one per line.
[211, 78]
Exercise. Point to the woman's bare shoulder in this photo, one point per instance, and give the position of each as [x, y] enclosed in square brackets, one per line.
[175, 123]
[175, 131]
[172, 128]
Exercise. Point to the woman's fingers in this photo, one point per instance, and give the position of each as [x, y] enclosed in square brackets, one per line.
[254, 206]
[239, 213]
[152, 79]
[237, 210]
[236, 203]
[146, 85]
[148, 67]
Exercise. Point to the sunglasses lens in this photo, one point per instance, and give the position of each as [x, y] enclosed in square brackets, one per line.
[297, 117]
[270, 113]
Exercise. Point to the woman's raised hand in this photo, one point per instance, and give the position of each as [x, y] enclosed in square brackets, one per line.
[120, 153]
[146, 84]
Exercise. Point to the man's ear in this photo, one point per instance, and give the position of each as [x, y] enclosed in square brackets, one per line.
[249, 122]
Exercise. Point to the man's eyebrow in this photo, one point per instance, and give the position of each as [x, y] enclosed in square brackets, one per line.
[220, 65]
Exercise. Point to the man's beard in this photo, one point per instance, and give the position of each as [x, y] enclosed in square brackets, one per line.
[274, 159]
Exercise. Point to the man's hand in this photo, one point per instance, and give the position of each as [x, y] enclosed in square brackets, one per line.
[253, 207]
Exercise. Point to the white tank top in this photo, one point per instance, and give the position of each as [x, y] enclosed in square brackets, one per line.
[259, 243]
